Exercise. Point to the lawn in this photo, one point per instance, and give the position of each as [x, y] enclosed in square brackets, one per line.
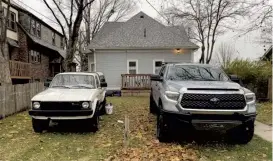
[19, 142]
[265, 113]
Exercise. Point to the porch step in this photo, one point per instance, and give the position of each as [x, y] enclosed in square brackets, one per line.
[135, 92]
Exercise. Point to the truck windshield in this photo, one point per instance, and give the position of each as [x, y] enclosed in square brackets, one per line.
[195, 73]
[73, 81]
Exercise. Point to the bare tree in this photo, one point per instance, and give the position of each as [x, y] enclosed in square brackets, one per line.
[225, 54]
[260, 19]
[97, 14]
[208, 19]
[4, 64]
[69, 21]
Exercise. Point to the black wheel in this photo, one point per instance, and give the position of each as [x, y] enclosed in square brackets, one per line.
[162, 128]
[153, 107]
[242, 134]
[102, 110]
[95, 122]
[39, 125]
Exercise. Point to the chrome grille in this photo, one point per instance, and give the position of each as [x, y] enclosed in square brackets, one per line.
[213, 101]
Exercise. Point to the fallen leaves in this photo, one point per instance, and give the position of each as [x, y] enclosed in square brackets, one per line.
[143, 144]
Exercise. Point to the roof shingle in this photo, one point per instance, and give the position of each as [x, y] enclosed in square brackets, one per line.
[140, 33]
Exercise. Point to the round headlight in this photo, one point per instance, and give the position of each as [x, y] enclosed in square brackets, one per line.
[36, 105]
[85, 104]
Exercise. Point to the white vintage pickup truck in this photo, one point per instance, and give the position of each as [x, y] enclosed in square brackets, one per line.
[70, 96]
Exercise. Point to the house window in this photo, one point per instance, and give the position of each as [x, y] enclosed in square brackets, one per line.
[11, 21]
[157, 64]
[35, 56]
[38, 29]
[53, 38]
[33, 27]
[132, 66]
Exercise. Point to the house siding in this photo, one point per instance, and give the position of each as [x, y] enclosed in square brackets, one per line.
[40, 71]
[23, 47]
[114, 63]
[46, 32]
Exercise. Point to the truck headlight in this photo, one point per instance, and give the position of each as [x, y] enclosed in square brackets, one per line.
[250, 98]
[172, 95]
[85, 105]
[36, 105]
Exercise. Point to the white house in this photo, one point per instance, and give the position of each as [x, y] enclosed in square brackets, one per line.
[137, 47]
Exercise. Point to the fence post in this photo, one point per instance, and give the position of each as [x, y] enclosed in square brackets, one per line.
[126, 131]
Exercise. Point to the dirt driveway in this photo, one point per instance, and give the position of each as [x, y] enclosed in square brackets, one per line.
[19, 142]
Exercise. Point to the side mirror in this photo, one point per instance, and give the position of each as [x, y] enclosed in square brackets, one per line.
[236, 79]
[46, 84]
[156, 78]
[103, 84]
[102, 80]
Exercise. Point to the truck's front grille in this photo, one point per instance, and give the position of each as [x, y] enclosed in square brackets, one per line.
[213, 101]
[60, 106]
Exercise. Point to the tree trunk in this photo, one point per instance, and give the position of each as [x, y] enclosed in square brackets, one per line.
[202, 58]
[4, 65]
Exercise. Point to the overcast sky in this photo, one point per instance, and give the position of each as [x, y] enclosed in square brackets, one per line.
[245, 46]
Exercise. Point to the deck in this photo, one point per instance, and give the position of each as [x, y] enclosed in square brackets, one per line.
[19, 70]
[135, 84]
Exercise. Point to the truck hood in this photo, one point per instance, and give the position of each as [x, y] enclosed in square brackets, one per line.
[58, 95]
[177, 85]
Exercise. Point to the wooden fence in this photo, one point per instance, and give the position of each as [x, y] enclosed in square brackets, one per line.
[136, 81]
[16, 98]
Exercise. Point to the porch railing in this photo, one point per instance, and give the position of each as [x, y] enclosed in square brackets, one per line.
[19, 69]
[136, 81]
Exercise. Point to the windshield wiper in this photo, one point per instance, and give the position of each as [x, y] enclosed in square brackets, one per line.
[59, 86]
[82, 86]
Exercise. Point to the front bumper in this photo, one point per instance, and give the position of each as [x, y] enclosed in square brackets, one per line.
[61, 114]
[210, 121]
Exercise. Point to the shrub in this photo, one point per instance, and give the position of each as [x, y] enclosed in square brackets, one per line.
[254, 74]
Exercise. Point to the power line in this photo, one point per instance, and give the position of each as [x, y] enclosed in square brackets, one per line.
[158, 11]
[37, 11]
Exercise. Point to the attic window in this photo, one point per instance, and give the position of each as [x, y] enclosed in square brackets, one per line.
[141, 16]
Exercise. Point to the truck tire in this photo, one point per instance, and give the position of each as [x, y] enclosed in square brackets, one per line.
[102, 110]
[162, 132]
[242, 134]
[153, 107]
[95, 122]
[39, 125]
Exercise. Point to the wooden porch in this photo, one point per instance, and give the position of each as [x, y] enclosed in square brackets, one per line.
[19, 70]
[135, 84]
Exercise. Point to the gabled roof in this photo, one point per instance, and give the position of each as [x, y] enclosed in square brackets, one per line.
[140, 32]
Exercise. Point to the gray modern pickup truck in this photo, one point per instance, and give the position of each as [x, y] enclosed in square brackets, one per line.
[203, 97]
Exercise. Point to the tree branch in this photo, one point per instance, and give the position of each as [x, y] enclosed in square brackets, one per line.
[57, 19]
